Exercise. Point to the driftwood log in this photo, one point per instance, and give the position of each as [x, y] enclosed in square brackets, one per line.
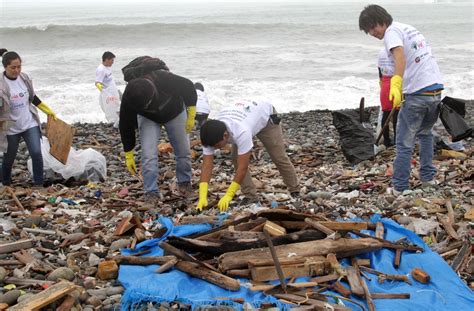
[342, 248]
[217, 247]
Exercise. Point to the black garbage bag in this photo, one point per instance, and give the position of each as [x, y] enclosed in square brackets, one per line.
[452, 112]
[357, 139]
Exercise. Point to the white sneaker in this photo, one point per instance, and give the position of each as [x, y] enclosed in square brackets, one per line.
[429, 184]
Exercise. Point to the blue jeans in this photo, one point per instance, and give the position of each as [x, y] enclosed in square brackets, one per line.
[415, 120]
[32, 138]
[150, 133]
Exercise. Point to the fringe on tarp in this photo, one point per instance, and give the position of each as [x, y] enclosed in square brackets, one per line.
[134, 300]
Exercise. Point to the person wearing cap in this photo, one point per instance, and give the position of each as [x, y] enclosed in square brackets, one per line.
[19, 106]
[417, 78]
[202, 105]
[237, 124]
[103, 73]
[158, 99]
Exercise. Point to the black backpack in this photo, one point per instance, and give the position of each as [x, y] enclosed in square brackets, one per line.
[142, 66]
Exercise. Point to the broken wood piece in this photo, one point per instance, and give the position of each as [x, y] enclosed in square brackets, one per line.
[368, 296]
[239, 273]
[336, 266]
[389, 244]
[341, 247]
[353, 278]
[46, 297]
[208, 275]
[462, 256]
[363, 262]
[448, 226]
[27, 282]
[318, 226]
[40, 231]
[184, 256]
[398, 258]
[384, 276]
[142, 261]
[240, 235]
[283, 261]
[325, 278]
[168, 265]
[390, 296]
[333, 225]
[211, 233]
[276, 262]
[15, 246]
[67, 303]
[316, 304]
[341, 289]
[273, 229]
[34, 263]
[302, 284]
[12, 193]
[420, 275]
[311, 267]
[379, 230]
[262, 287]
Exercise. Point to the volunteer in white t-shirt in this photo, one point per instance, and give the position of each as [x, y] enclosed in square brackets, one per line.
[202, 104]
[237, 124]
[19, 115]
[416, 78]
[103, 73]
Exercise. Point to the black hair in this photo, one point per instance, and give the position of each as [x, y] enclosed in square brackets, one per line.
[212, 132]
[199, 86]
[3, 51]
[374, 15]
[8, 57]
[107, 55]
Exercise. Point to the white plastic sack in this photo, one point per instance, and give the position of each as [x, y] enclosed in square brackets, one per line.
[109, 100]
[87, 163]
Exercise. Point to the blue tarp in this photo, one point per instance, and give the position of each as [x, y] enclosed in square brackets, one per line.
[446, 291]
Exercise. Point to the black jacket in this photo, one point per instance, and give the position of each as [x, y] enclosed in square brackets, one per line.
[174, 94]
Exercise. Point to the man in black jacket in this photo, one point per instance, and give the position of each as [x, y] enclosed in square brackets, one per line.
[158, 99]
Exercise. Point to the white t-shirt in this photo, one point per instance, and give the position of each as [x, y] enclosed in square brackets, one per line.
[421, 67]
[243, 121]
[202, 104]
[386, 63]
[19, 107]
[103, 75]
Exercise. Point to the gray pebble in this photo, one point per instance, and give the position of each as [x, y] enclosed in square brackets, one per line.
[61, 273]
[10, 297]
[3, 274]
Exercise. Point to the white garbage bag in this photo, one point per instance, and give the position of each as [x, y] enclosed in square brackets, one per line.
[81, 164]
[110, 103]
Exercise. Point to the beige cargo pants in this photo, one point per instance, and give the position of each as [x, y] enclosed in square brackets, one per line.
[272, 138]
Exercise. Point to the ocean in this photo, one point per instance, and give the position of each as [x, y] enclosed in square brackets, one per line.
[302, 56]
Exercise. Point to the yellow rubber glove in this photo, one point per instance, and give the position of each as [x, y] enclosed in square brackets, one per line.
[396, 92]
[190, 120]
[99, 86]
[203, 186]
[229, 195]
[43, 107]
[130, 162]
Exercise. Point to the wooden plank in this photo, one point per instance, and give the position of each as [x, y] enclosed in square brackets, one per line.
[273, 229]
[60, 135]
[276, 262]
[142, 261]
[237, 235]
[309, 268]
[165, 267]
[379, 230]
[27, 282]
[283, 261]
[354, 281]
[333, 225]
[460, 258]
[15, 246]
[318, 226]
[12, 193]
[390, 296]
[342, 248]
[325, 278]
[398, 258]
[208, 275]
[184, 256]
[335, 265]
[44, 298]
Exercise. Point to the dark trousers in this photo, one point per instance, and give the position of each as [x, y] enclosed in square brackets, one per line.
[386, 133]
[32, 139]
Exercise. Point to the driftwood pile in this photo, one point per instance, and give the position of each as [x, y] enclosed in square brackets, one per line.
[281, 244]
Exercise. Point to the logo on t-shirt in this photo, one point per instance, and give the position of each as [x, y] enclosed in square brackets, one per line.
[418, 44]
